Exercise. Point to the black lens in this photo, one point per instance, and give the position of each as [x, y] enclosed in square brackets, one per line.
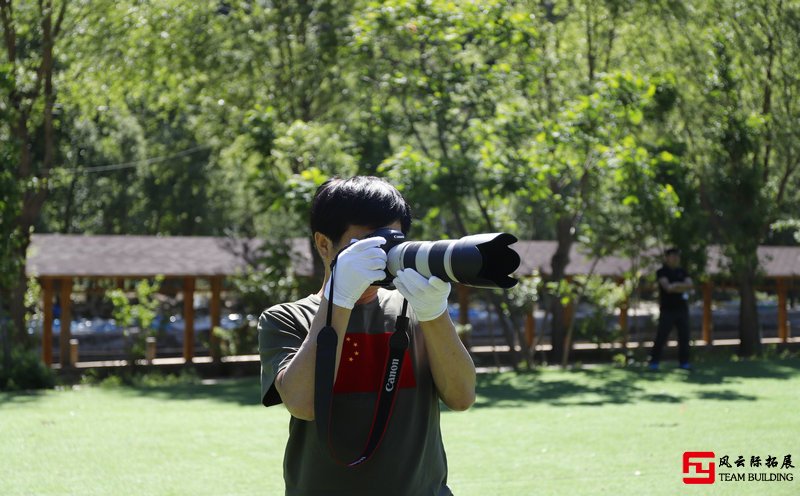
[481, 260]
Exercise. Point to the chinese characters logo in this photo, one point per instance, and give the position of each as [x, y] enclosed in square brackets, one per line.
[699, 467]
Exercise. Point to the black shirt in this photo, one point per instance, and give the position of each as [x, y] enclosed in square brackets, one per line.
[672, 301]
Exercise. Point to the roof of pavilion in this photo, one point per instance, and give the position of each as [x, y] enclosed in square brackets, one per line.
[776, 261]
[54, 255]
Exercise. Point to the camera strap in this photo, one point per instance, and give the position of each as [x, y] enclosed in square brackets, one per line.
[324, 378]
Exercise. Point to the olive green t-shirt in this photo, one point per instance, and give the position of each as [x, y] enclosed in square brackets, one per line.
[410, 461]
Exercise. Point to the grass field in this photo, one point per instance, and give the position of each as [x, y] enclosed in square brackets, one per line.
[583, 432]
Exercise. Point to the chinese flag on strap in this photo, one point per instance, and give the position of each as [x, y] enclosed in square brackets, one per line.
[363, 362]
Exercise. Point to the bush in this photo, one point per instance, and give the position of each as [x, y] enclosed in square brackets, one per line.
[138, 378]
[242, 340]
[27, 372]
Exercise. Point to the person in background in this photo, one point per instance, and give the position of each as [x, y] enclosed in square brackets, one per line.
[674, 285]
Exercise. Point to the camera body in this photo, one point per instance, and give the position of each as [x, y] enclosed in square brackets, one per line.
[480, 260]
[393, 238]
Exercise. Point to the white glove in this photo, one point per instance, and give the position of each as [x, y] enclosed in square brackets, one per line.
[428, 297]
[358, 266]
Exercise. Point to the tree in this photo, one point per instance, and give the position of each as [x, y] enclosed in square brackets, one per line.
[548, 119]
[444, 71]
[565, 106]
[742, 84]
[9, 246]
[589, 167]
[30, 36]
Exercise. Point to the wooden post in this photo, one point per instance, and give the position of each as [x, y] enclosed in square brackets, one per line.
[569, 313]
[73, 351]
[149, 349]
[188, 319]
[783, 328]
[47, 325]
[530, 328]
[569, 316]
[707, 321]
[463, 304]
[623, 322]
[66, 320]
[213, 339]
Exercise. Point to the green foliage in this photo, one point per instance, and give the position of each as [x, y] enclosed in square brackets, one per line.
[604, 297]
[269, 280]
[625, 126]
[241, 340]
[439, 114]
[10, 204]
[487, 114]
[10, 194]
[33, 301]
[142, 379]
[26, 372]
[788, 225]
[123, 313]
[523, 296]
[141, 313]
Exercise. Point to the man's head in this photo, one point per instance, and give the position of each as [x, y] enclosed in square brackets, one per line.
[672, 257]
[343, 209]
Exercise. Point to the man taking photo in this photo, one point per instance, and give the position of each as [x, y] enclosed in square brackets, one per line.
[410, 459]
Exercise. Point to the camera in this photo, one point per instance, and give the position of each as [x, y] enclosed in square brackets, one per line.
[480, 260]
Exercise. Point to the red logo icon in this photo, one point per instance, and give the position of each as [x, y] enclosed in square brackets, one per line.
[698, 466]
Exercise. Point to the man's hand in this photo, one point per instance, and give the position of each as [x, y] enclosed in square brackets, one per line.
[676, 287]
[451, 366]
[428, 297]
[357, 266]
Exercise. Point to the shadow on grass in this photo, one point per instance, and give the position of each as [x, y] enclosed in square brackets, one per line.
[732, 371]
[20, 397]
[514, 390]
[598, 386]
[725, 395]
[606, 385]
[243, 391]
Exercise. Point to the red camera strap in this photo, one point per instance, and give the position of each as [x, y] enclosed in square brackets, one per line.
[324, 377]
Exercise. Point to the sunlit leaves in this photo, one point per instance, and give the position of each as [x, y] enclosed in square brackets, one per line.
[447, 70]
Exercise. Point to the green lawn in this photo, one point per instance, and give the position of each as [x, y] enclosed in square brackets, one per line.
[591, 431]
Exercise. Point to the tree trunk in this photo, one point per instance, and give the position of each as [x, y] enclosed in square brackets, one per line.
[27, 140]
[17, 303]
[558, 269]
[31, 208]
[749, 329]
[508, 329]
[5, 335]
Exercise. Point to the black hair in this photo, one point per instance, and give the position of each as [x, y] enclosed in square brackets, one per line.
[672, 251]
[358, 201]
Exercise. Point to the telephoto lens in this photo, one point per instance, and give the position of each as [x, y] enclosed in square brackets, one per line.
[481, 260]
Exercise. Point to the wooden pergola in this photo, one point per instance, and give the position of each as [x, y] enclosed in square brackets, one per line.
[780, 265]
[58, 259]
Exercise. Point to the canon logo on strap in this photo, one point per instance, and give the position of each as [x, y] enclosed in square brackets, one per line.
[392, 375]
